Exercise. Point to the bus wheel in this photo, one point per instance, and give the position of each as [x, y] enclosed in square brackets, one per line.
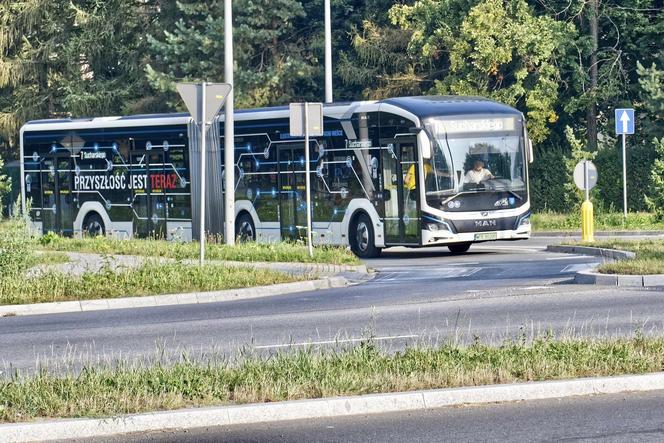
[93, 225]
[244, 228]
[459, 248]
[362, 238]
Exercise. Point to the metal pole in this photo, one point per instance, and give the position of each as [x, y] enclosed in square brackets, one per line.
[308, 178]
[624, 155]
[202, 161]
[328, 53]
[585, 179]
[229, 132]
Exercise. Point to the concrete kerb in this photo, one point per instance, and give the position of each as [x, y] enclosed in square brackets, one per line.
[326, 407]
[596, 278]
[173, 299]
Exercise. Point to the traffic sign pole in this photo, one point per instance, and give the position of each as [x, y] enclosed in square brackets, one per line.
[308, 178]
[201, 231]
[585, 178]
[625, 124]
[624, 165]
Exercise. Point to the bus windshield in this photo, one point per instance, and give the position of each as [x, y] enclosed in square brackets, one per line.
[473, 156]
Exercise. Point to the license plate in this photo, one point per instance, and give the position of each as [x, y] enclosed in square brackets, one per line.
[486, 236]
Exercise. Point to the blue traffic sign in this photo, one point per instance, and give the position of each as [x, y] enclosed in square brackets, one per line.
[624, 121]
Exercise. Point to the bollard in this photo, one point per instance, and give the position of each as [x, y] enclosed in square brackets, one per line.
[587, 223]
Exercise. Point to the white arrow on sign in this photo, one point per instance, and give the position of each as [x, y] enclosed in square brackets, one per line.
[624, 118]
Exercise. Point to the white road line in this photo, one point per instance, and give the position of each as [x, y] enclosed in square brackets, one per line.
[577, 267]
[509, 248]
[332, 342]
[569, 257]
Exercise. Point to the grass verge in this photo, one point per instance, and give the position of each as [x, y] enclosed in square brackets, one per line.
[253, 252]
[148, 279]
[306, 374]
[649, 256]
[47, 258]
[611, 221]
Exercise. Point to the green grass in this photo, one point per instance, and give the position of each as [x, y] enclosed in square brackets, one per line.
[253, 252]
[124, 389]
[48, 258]
[612, 221]
[148, 279]
[649, 256]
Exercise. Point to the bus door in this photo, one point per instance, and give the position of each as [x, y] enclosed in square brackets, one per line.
[149, 196]
[292, 198]
[400, 178]
[58, 198]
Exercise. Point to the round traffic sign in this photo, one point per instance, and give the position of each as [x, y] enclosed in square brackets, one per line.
[580, 175]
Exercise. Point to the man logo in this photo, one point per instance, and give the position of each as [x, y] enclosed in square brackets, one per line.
[485, 223]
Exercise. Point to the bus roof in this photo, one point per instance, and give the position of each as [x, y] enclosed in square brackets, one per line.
[422, 107]
[437, 105]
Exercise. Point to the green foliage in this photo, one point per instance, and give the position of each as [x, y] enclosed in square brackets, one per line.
[5, 185]
[71, 58]
[548, 176]
[122, 388]
[15, 248]
[656, 201]
[151, 278]
[605, 220]
[92, 57]
[246, 252]
[274, 64]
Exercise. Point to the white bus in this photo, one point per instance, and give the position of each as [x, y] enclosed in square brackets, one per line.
[411, 171]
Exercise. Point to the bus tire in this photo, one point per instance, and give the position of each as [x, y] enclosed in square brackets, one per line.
[93, 225]
[459, 248]
[245, 230]
[361, 236]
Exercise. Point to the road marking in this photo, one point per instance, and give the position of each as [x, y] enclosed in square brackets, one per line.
[569, 257]
[577, 267]
[510, 248]
[340, 341]
[405, 275]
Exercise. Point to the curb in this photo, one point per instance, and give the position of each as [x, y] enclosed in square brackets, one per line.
[598, 233]
[612, 254]
[172, 299]
[326, 407]
[640, 281]
[595, 278]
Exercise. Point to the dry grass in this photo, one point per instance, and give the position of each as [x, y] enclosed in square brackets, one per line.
[307, 374]
[149, 279]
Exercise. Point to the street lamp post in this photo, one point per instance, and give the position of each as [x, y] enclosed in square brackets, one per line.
[229, 132]
[328, 53]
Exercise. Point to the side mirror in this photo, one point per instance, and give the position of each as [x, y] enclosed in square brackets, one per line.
[531, 158]
[387, 195]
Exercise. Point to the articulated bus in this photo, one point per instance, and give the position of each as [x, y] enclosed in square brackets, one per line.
[413, 171]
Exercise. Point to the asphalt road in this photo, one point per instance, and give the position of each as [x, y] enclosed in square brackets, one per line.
[497, 291]
[610, 418]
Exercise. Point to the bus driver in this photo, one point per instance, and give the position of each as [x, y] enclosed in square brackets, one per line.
[478, 174]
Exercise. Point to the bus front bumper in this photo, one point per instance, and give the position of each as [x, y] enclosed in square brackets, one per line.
[444, 237]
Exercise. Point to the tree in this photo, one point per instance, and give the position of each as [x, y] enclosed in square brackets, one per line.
[498, 49]
[71, 58]
[273, 63]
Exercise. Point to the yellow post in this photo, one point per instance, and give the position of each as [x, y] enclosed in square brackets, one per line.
[587, 223]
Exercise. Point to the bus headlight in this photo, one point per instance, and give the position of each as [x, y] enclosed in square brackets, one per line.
[525, 221]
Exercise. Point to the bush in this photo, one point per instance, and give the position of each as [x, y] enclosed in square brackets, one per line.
[15, 247]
